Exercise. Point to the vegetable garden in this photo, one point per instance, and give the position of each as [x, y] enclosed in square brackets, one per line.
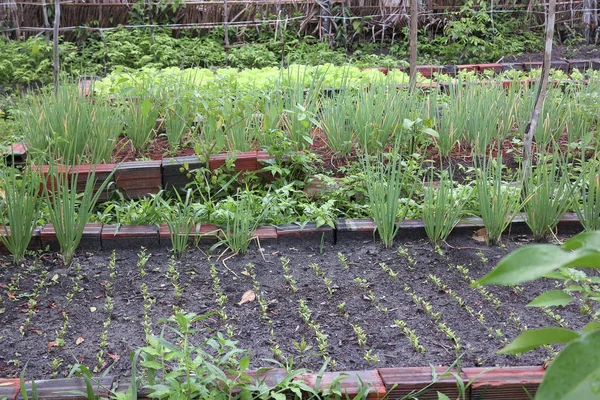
[330, 144]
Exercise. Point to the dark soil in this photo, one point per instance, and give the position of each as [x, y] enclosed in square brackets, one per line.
[34, 344]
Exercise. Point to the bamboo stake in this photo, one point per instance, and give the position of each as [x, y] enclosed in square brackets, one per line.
[414, 22]
[56, 61]
[541, 93]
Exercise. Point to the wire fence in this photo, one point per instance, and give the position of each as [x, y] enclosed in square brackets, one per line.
[25, 18]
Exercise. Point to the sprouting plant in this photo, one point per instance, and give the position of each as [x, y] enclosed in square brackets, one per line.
[287, 274]
[362, 282]
[388, 270]
[411, 335]
[361, 336]
[304, 311]
[370, 357]
[220, 297]
[173, 275]
[343, 261]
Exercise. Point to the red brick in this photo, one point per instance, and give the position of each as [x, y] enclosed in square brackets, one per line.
[246, 161]
[403, 381]
[504, 383]
[497, 68]
[9, 388]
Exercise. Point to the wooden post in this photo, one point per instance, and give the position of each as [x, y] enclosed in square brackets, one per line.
[55, 60]
[541, 93]
[225, 21]
[45, 19]
[414, 21]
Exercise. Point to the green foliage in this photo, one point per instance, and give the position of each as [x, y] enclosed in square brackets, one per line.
[574, 372]
[498, 203]
[586, 201]
[69, 211]
[548, 196]
[442, 208]
[20, 206]
[69, 124]
[386, 182]
[180, 220]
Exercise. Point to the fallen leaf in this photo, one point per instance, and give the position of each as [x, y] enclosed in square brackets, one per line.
[93, 309]
[247, 297]
[79, 340]
[3, 285]
[81, 358]
[114, 357]
[480, 235]
[36, 331]
[52, 344]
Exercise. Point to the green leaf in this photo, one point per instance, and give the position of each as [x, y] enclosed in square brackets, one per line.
[430, 132]
[244, 364]
[550, 299]
[586, 240]
[145, 107]
[535, 338]
[575, 373]
[277, 396]
[591, 327]
[533, 262]
[442, 396]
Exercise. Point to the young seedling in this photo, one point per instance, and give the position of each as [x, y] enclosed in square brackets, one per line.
[173, 275]
[403, 252]
[220, 297]
[264, 308]
[411, 335]
[287, 274]
[370, 357]
[344, 262]
[361, 336]
[389, 271]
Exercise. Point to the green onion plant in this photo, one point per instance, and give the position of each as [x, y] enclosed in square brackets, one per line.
[442, 208]
[586, 201]
[20, 206]
[69, 211]
[498, 203]
[548, 195]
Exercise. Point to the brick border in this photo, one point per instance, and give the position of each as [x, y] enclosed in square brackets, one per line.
[488, 383]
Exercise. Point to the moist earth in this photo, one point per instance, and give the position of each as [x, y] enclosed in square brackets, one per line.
[373, 301]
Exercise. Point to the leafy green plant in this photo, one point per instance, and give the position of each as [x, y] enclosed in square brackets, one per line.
[442, 208]
[548, 196]
[69, 211]
[498, 204]
[20, 205]
[574, 372]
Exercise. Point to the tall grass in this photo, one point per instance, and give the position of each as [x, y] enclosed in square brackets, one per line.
[180, 220]
[386, 183]
[548, 192]
[139, 116]
[586, 201]
[498, 203]
[337, 120]
[442, 208]
[69, 211]
[20, 206]
[69, 123]
[300, 105]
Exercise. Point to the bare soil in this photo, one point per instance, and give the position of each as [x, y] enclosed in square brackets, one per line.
[35, 344]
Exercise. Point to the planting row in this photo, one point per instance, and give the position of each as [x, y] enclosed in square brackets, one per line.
[294, 112]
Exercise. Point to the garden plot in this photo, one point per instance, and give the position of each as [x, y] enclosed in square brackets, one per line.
[354, 304]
